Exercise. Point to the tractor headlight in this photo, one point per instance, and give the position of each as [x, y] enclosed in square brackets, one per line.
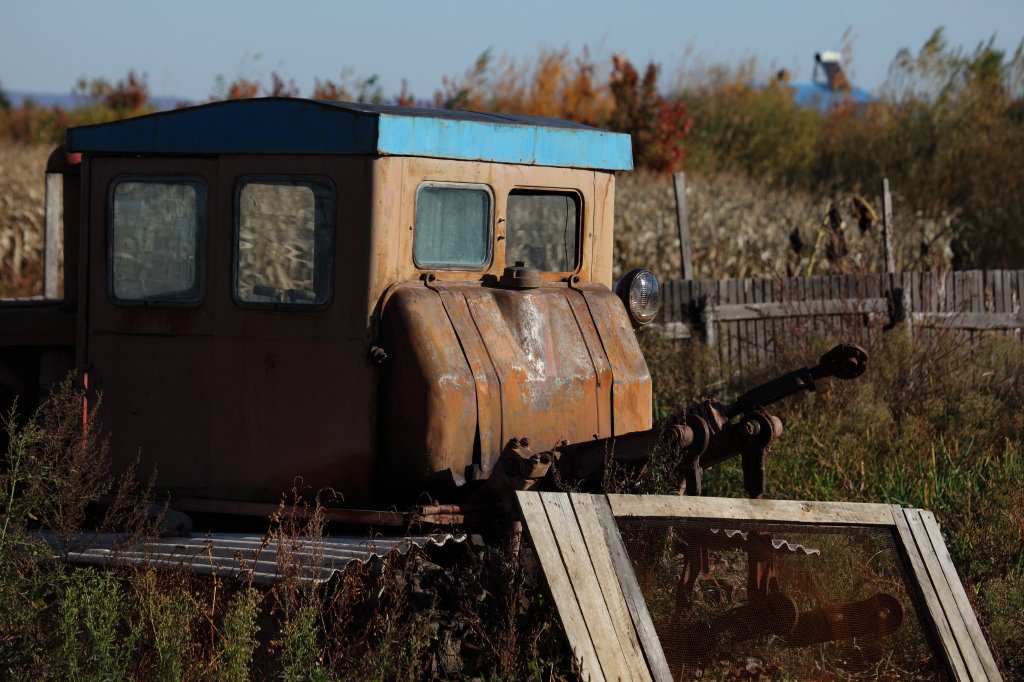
[640, 292]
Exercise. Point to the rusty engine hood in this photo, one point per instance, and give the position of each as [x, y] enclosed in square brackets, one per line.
[472, 366]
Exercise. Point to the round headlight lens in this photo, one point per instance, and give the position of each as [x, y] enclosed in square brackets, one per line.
[640, 291]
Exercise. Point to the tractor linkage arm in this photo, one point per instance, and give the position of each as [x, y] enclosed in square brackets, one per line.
[704, 434]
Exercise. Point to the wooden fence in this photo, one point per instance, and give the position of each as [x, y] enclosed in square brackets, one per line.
[751, 320]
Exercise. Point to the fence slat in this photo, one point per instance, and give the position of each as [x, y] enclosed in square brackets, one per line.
[749, 318]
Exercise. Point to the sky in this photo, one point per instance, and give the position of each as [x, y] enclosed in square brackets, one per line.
[184, 45]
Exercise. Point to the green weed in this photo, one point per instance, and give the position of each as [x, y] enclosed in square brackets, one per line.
[234, 650]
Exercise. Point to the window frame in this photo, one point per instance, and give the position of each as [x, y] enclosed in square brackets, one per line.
[488, 237]
[332, 220]
[580, 208]
[202, 230]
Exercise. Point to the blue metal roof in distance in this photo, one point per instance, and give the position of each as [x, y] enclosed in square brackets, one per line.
[276, 125]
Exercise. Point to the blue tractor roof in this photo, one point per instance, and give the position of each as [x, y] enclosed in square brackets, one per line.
[276, 125]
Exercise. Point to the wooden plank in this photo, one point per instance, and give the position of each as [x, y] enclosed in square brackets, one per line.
[1006, 288]
[742, 327]
[646, 634]
[669, 306]
[961, 637]
[709, 295]
[535, 519]
[961, 301]
[817, 293]
[791, 511]
[967, 320]
[923, 580]
[1016, 289]
[772, 294]
[756, 333]
[976, 290]
[762, 325]
[680, 297]
[992, 293]
[755, 341]
[805, 298]
[942, 280]
[727, 335]
[956, 588]
[683, 226]
[976, 295]
[936, 281]
[679, 290]
[580, 570]
[622, 621]
[915, 296]
[739, 296]
[1006, 278]
[819, 308]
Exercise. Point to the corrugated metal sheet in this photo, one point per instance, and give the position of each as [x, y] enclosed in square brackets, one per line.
[239, 555]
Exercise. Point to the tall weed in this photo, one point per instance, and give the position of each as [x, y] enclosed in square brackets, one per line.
[233, 654]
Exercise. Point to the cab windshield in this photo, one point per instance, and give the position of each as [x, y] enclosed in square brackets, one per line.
[543, 229]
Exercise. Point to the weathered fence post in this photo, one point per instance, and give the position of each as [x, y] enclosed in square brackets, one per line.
[890, 258]
[683, 223]
[52, 239]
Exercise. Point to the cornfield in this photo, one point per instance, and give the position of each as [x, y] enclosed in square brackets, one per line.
[740, 227]
[22, 193]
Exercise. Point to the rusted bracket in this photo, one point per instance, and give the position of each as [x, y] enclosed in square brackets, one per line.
[428, 279]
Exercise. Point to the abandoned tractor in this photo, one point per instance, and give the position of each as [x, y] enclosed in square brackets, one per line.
[383, 301]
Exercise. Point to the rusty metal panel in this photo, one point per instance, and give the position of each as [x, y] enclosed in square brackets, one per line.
[428, 412]
[595, 347]
[549, 384]
[156, 393]
[485, 377]
[631, 383]
[285, 412]
[469, 362]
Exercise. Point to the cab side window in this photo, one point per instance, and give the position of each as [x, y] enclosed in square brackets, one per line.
[157, 230]
[284, 241]
[452, 228]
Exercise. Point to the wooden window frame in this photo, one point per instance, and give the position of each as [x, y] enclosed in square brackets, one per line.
[578, 544]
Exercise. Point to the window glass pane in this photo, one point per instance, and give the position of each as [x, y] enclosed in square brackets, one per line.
[543, 229]
[453, 227]
[155, 241]
[285, 242]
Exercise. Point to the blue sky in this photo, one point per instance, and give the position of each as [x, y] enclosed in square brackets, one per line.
[183, 45]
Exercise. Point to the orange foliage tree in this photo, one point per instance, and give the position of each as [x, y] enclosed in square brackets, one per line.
[657, 125]
[557, 86]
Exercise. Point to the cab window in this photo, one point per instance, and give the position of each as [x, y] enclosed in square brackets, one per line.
[543, 229]
[284, 241]
[156, 236]
[452, 229]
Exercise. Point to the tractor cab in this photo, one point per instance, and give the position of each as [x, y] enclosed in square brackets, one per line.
[366, 298]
